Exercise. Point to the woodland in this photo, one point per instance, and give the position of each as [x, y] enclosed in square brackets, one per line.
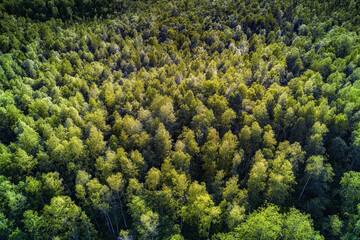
[179, 119]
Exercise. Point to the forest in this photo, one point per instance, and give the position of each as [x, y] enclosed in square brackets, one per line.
[179, 119]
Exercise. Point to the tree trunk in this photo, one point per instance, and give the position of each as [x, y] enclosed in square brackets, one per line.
[122, 211]
[196, 165]
[92, 213]
[271, 198]
[107, 222]
[197, 220]
[112, 228]
[87, 227]
[116, 221]
[350, 167]
[307, 181]
[180, 223]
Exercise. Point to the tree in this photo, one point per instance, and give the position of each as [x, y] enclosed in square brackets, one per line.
[236, 216]
[139, 162]
[200, 209]
[232, 193]
[319, 173]
[227, 119]
[350, 183]
[131, 165]
[145, 220]
[202, 121]
[162, 143]
[250, 138]
[293, 153]
[75, 150]
[34, 224]
[149, 223]
[108, 164]
[65, 220]
[95, 142]
[117, 184]
[23, 162]
[210, 153]
[316, 140]
[99, 197]
[299, 226]
[293, 61]
[218, 104]
[29, 140]
[227, 150]
[98, 119]
[187, 137]
[266, 223]
[187, 143]
[335, 226]
[281, 179]
[52, 184]
[162, 107]
[261, 114]
[153, 179]
[181, 161]
[269, 142]
[269, 223]
[39, 107]
[257, 180]
[134, 188]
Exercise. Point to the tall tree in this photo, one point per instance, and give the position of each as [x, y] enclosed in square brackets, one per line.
[200, 209]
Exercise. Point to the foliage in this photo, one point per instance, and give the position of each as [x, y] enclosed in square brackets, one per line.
[179, 119]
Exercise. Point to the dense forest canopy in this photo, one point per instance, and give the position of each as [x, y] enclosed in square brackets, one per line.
[176, 120]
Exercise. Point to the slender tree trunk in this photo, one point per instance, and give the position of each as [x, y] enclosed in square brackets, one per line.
[235, 170]
[307, 181]
[122, 211]
[350, 167]
[87, 226]
[111, 225]
[72, 233]
[197, 220]
[96, 222]
[244, 166]
[75, 238]
[116, 221]
[180, 223]
[271, 198]
[356, 166]
[247, 162]
[107, 222]
[196, 163]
